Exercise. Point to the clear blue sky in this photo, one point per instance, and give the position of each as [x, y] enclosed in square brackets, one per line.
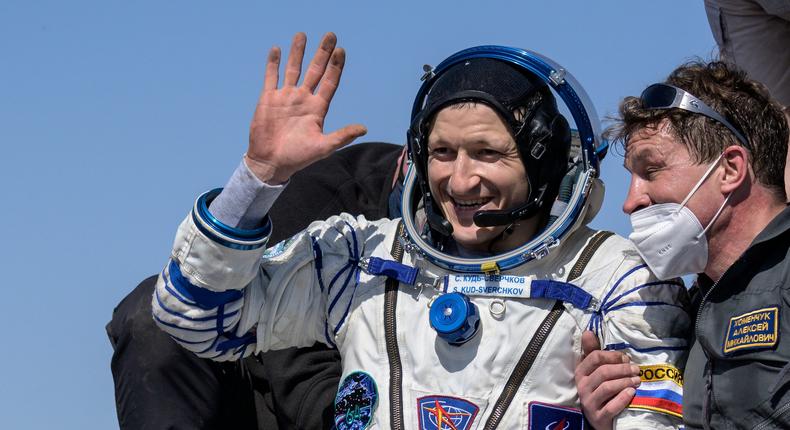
[115, 115]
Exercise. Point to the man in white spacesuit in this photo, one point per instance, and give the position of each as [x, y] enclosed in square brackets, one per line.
[466, 313]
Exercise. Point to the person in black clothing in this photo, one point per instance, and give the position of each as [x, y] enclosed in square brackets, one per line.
[706, 151]
[287, 389]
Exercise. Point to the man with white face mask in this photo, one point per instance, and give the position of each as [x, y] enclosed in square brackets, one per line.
[706, 151]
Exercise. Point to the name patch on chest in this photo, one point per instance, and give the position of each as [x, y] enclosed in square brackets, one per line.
[543, 416]
[757, 329]
[489, 285]
[442, 413]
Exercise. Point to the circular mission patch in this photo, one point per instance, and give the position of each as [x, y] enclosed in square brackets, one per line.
[355, 402]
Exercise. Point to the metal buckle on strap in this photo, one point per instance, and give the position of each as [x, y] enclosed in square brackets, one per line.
[543, 250]
[424, 281]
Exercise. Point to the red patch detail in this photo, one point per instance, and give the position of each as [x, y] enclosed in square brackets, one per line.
[662, 404]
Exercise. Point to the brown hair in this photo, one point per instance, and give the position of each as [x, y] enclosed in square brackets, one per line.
[743, 102]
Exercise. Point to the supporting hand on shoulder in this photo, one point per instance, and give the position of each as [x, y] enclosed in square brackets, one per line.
[287, 130]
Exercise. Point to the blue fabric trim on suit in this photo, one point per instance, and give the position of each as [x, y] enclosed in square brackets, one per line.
[353, 263]
[221, 240]
[355, 251]
[203, 298]
[236, 233]
[649, 284]
[220, 319]
[595, 324]
[175, 294]
[660, 394]
[563, 291]
[350, 265]
[240, 352]
[193, 342]
[210, 347]
[614, 287]
[196, 330]
[234, 341]
[350, 301]
[182, 316]
[623, 345]
[334, 278]
[645, 304]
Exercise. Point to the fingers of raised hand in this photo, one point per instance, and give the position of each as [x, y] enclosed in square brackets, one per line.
[340, 138]
[272, 70]
[331, 78]
[317, 67]
[325, 67]
[293, 68]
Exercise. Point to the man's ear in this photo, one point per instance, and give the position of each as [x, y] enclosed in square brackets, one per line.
[736, 168]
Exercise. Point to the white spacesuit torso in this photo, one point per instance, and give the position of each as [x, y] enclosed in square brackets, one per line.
[312, 288]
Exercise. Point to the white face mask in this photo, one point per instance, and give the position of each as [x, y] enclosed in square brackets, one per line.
[670, 238]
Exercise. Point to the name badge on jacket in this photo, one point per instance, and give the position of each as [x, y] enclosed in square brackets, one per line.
[758, 329]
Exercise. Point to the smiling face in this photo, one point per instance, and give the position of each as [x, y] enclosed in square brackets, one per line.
[474, 165]
[663, 171]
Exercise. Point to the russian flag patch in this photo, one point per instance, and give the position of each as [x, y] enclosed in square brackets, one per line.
[661, 390]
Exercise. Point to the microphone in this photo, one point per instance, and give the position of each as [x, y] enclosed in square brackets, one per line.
[505, 217]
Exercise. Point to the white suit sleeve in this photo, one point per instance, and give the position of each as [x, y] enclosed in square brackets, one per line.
[223, 296]
[199, 297]
[647, 319]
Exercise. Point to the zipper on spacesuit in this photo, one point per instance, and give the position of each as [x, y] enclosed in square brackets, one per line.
[523, 366]
[391, 339]
[533, 348]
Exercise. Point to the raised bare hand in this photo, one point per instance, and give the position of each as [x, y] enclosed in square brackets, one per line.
[287, 130]
[606, 382]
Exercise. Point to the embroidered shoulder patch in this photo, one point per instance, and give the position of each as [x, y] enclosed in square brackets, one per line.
[543, 416]
[757, 329]
[355, 402]
[442, 412]
[661, 390]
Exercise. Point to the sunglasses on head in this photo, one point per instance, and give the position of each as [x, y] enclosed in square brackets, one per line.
[664, 96]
